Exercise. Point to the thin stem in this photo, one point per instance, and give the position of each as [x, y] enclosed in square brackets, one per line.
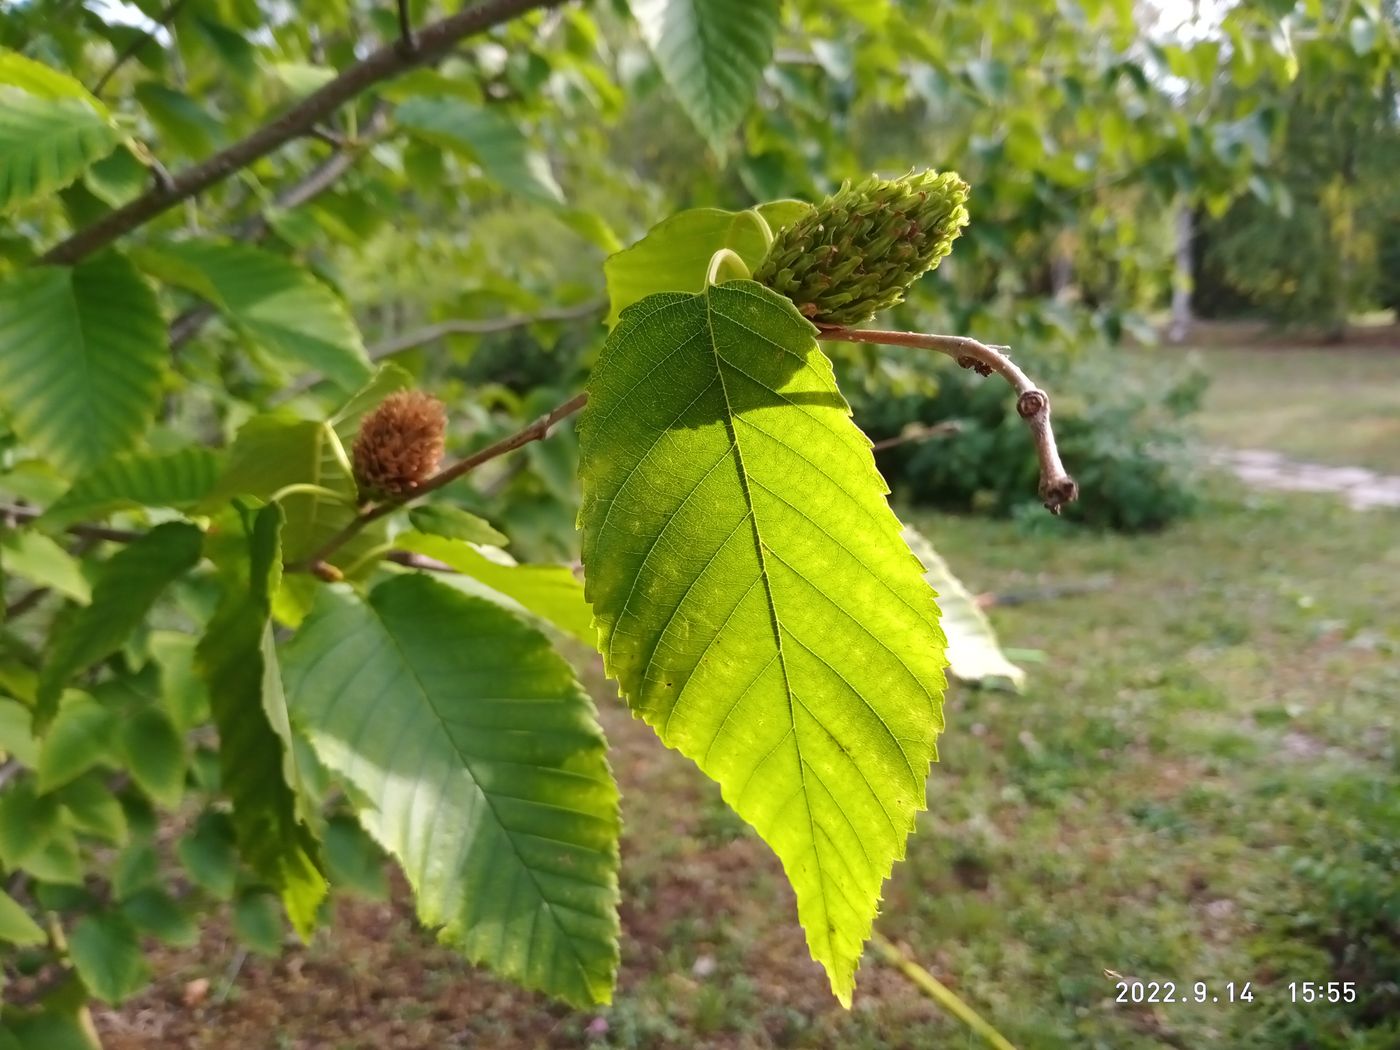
[435, 39]
[938, 992]
[536, 431]
[1032, 404]
[460, 326]
[917, 433]
[407, 41]
[13, 515]
[163, 19]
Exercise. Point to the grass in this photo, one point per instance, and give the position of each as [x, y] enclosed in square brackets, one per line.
[1200, 783]
[1335, 405]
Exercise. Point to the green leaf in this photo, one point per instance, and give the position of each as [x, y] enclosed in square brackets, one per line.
[42, 81]
[182, 692]
[675, 254]
[257, 922]
[155, 755]
[79, 738]
[93, 810]
[16, 926]
[17, 733]
[50, 130]
[485, 772]
[271, 300]
[712, 54]
[973, 652]
[276, 450]
[107, 955]
[137, 479]
[153, 911]
[27, 823]
[485, 136]
[82, 356]
[210, 854]
[131, 581]
[454, 523]
[753, 596]
[41, 560]
[182, 123]
[551, 592]
[238, 665]
[354, 861]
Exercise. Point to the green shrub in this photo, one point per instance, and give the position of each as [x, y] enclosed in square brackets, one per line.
[1120, 425]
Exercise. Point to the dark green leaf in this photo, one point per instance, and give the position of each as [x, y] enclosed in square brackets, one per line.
[483, 770]
[131, 581]
[107, 955]
[239, 668]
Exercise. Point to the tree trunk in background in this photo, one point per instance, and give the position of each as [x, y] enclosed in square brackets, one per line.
[1182, 278]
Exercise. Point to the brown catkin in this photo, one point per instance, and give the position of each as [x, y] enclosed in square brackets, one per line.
[399, 445]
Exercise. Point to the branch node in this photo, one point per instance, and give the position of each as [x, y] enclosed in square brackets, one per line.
[1031, 402]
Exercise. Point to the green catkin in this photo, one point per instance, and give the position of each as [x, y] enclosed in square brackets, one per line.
[858, 251]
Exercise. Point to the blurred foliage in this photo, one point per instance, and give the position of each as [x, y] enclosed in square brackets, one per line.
[1118, 419]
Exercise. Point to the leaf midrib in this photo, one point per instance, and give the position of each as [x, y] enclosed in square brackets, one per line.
[774, 619]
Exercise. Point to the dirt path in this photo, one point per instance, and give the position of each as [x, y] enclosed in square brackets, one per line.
[1362, 489]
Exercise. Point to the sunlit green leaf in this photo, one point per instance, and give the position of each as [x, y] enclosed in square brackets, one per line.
[973, 652]
[753, 596]
[487, 137]
[551, 592]
[138, 479]
[16, 925]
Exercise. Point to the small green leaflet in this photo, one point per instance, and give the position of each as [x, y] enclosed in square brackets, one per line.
[131, 581]
[454, 523]
[487, 137]
[550, 592]
[41, 560]
[82, 356]
[752, 593]
[16, 926]
[238, 664]
[483, 768]
[712, 54]
[675, 254]
[106, 952]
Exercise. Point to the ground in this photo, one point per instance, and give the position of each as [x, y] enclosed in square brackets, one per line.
[1338, 405]
[1199, 784]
